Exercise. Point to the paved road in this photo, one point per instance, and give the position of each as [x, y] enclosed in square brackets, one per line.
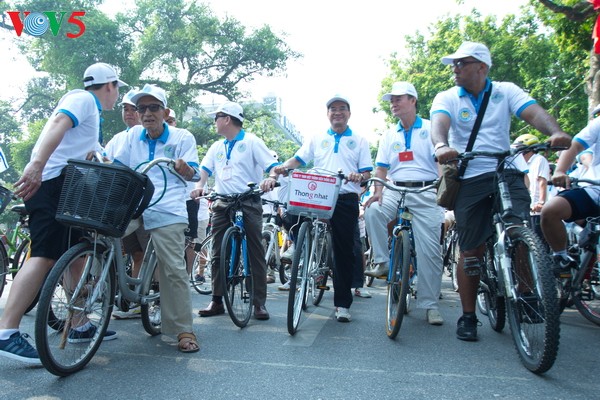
[324, 360]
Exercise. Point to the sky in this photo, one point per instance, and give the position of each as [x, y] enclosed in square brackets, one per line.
[345, 46]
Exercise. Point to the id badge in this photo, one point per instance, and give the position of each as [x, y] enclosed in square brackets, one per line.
[227, 173]
[405, 156]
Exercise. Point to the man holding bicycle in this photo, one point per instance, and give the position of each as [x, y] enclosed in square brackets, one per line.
[73, 131]
[339, 148]
[453, 114]
[167, 218]
[405, 158]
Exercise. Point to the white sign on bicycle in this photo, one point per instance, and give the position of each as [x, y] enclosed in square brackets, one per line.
[312, 193]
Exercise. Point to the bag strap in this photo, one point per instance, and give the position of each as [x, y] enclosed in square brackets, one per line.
[486, 97]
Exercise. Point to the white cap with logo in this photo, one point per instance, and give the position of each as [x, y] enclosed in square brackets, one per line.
[127, 98]
[338, 97]
[151, 90]
[172, 114]
[400, 88]
[478, 51]
[100, 73]
[230, 108]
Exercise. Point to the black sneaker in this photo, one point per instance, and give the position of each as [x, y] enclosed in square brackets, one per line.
[17, 347]
[531, 311]
[466, 328]
[87, 335]
[563, 266]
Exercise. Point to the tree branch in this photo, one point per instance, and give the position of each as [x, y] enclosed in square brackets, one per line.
[579, 12]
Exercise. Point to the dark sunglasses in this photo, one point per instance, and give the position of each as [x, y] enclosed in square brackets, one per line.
[151, 107]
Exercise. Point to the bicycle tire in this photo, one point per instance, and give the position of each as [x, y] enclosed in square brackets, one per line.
[3, 268]
[587, 297]
[398, 284]
[494, 299]
[238, 288]
[323, 259]
[299, 278]
[150, 310]
[533, 315]
[203, 257]
[57, 354]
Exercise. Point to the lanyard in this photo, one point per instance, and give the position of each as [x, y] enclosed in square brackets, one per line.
[228, 148]
[407, 137]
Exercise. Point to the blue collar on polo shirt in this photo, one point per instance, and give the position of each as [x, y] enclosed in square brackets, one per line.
[239, 136]
[163, 137]
[408, 132]
[475, 100]
[100, 139]
[338, 136]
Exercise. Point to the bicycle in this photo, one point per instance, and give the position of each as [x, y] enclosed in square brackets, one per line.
[516, 276]
[202, 260]
[450, 254]
[582, 289]
[312, 261]
[272, 238]
[234, 264]
[101, 199]
[403, 270]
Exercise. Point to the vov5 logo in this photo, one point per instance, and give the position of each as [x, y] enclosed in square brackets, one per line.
[37, 23]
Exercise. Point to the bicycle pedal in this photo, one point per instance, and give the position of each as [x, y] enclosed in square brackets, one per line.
[323, 287]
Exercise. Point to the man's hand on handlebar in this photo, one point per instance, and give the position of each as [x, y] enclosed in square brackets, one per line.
[445, 154]
[183, 169]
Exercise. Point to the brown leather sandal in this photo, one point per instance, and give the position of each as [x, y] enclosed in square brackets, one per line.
[187, 339]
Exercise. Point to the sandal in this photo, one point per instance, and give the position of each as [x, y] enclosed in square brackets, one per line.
[187, 343]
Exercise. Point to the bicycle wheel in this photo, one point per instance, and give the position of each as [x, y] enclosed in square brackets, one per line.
[398, 284]
[239, 293]
[533, 313]
[3, 268]
[492, 297]
[150, 309]
[78, 293]
[587, 296]
[323, 262]
[202, 260]
[299, 278]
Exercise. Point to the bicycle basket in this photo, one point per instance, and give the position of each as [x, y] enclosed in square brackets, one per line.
[102, 197]
[5, 198]
[313, 194]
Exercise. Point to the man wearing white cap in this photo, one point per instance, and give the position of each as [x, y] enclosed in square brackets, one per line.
[405, 157]
[172, 118]
[234, 162]
[453, 114]
[339, 148]
[166, 219]
[73, 131]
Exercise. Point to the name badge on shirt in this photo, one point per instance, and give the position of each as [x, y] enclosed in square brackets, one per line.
[405, 156]
[227, 173]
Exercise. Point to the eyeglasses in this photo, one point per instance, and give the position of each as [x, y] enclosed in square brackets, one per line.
[460, 64]
[151, 107]
[220, 116]
[596, 114]
[338, 109]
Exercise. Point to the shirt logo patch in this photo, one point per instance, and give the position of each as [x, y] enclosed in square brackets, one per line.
[497, 97]
[241, 147]
[325, 144]
[465, 115]
[397, 147]
[170, 151]
[351, 144]
[220, 156]
[424, 134]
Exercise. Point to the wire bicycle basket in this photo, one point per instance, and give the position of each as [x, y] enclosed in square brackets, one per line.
[101, 197]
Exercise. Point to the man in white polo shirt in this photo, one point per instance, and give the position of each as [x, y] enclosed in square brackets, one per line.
[405, 157]
[166, 220]
[237, 160]
[339, 148]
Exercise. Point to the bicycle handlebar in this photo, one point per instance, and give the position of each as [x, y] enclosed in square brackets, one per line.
[595, 182]
[162, 160]
[513, 151]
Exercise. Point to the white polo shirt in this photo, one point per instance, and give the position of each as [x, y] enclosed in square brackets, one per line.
[538, 168]
[174, 143]
[237, 162]
[506, 99]
[589, 137]
[416, 140]
[115, 143]
[84, 110]
[332, 151]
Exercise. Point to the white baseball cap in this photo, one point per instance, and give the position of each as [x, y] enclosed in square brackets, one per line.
[230, 108]
[127, 98]
[100, 73]
[400, 88]
[151, 90]
[172, 114]
[338, 97]
[478, 51]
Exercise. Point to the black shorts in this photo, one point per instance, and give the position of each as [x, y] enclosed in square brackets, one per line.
[49, 238]
[191, 231]
[582, 205]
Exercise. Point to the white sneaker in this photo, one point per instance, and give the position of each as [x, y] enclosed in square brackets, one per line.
[362, 292]
[342, 314]
[135, 312]
[287, 255]
[380, 270]
[434, 317]
[285, 286]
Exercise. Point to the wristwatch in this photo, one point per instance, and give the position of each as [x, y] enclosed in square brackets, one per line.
[439, 146]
